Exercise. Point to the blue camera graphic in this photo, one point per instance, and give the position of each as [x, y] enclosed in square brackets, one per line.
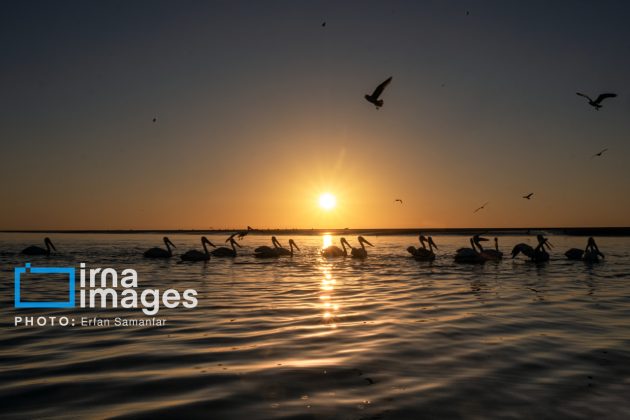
[69, 271]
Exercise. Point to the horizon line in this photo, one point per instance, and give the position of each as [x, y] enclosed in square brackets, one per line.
[567, 230]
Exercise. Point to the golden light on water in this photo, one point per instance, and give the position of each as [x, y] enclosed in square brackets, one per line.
[326, 240]
[330, 309]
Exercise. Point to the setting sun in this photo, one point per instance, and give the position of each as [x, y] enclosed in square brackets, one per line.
[327, 201]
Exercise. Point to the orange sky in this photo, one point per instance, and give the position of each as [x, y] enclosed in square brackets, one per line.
[259, 112]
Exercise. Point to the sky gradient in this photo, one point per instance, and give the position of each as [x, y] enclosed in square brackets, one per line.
[260, 110]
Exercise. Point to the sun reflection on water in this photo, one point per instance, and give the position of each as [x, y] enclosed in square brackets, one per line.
[326, 240]
[327, 290]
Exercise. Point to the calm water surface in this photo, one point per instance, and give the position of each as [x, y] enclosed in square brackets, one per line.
[388, 337]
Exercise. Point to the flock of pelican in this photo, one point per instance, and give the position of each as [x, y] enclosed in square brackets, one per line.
[425, 252]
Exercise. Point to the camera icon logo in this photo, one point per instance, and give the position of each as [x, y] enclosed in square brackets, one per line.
[19, 271]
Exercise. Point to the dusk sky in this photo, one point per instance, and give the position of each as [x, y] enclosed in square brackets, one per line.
[260, 110]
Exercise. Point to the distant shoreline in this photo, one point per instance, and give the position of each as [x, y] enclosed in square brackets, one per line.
[574, 231]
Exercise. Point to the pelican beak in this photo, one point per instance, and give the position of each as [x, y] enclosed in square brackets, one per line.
[291, 241]
[482, 239]
[433, 243]
[365, 241]
[171, 243]
[51, 244]
[235, 243]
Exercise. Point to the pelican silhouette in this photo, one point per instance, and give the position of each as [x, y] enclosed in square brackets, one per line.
[374, 97]
[590, 254]
[538, 254]
[194, 255]
[493, 254]
[37, 250]
[597, 102]
[528, 196]
[335, 251]
[422, 253]
[225, 251]
[268, 250]
[601, 152]
[471, 255]
[160, 252]
[287, 252]
[360, 252]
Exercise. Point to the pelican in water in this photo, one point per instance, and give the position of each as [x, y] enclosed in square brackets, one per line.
[335, 251]
[225, 251]
[156, 252]
[493, 254]
[265, 250]
[360, 252]
[194, 255]
[538, 254]
[422, 253]
[287, 252]
[374, 97]
[276, 251]
[590, 254]
[37, 250]
[471, 255]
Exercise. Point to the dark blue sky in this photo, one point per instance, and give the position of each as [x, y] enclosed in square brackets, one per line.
[260, 108]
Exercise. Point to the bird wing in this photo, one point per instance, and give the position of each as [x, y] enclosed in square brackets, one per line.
[479, 208]
[604, 96]
[380, 88]
[586, 96]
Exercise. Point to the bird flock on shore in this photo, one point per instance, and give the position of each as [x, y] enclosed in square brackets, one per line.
[475, 254]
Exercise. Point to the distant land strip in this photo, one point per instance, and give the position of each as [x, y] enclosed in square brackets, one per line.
[576, 231]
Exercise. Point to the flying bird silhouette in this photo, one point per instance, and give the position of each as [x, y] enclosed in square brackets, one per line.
[323, 24]
[599, 154]
[528, 196]
[482, 207]
[154, 119]
[597, 102]
[374, 97]
[399, 200]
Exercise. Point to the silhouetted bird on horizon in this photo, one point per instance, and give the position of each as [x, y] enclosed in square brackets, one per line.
[528, 196]
[482, 207]
[399, 200]
[599, 154]
[374, 97]
[597, 102]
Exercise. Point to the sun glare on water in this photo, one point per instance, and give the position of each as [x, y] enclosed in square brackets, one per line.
[327, 201]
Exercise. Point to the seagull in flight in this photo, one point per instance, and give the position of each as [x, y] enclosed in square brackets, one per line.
[482, 207]
[597, 102]
[599, 154]
[399, 200]
[374, 97]
[528, 196]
